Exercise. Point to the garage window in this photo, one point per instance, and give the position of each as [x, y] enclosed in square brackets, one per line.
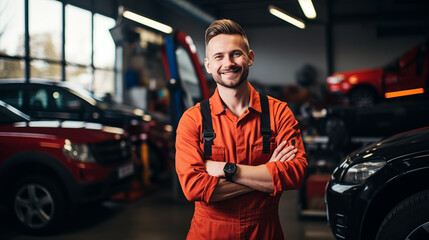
[45, 29]
[11, 68]
[59, 42]
[78, 35]
[12, 27]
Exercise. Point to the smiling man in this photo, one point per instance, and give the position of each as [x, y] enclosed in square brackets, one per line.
[238, 151]
[228, 59]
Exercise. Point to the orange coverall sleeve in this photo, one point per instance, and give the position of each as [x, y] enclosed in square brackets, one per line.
[288, 175]
[197, 184]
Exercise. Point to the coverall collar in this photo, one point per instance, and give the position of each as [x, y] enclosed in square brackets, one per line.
[217, 104]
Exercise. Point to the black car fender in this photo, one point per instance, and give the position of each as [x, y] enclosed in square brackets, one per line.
[384, 197]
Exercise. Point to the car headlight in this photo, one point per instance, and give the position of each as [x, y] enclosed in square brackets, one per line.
[78, 152]
[356, 174]
[335, 79]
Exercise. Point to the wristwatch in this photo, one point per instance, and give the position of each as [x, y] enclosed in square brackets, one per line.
[229, 169]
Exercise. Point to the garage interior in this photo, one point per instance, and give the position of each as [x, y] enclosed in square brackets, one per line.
[95, 45]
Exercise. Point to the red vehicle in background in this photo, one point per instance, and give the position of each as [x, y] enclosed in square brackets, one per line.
[408, 75]
[47, 168]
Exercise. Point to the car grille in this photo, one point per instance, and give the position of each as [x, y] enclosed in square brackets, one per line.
[111, 152]
[340, 226]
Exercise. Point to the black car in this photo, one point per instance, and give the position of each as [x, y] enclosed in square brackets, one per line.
[347, 127]
[381, 191]
[42, 99]
[47, 100]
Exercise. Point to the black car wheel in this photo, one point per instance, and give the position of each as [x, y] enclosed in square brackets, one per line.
[37, 204]
[362, 97]
[409, 219]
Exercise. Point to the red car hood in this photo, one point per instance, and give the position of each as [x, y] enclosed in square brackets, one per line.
[75, 131]
[361, 72]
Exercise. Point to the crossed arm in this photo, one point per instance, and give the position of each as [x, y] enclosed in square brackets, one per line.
[247, 178]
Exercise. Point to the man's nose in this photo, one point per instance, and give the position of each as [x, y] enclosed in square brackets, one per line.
[229, 61]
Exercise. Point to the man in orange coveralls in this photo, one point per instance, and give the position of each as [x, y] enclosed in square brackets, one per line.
[237, 189]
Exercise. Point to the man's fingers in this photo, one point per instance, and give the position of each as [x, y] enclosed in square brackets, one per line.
[287, 153]
[288, 157]
[278, 149]
[284, 154]
[287, 150]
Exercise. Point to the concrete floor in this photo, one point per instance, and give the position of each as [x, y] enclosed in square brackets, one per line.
[157, 215]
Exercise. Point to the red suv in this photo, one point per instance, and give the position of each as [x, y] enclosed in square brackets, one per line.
[49, 167]
[405, 76]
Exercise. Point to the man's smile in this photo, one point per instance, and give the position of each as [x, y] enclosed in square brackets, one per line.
[229, 72]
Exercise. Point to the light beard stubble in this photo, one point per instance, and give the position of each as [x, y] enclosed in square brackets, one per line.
[242, 79]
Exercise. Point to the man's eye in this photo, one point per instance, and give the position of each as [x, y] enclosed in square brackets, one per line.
[217, 57]
[237, 54]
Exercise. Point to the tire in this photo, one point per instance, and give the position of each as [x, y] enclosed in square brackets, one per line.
[37, 204]
[362, 97]
[408, 220]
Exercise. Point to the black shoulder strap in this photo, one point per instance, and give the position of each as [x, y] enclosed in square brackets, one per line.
[265, 123]
[208, 132]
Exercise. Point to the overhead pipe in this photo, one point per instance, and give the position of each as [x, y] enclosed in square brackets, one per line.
[192, 10]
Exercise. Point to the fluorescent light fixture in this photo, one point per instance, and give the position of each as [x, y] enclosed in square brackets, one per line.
[308, 8]
[148, 22]
[282, 15]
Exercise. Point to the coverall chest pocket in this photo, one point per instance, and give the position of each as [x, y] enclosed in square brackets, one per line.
[257, 157]
[218, 154]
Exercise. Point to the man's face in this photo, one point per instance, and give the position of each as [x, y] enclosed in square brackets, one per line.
[228, 60]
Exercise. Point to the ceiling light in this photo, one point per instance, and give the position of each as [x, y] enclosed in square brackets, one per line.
[148, 22]
[282, 15]
[308, 8]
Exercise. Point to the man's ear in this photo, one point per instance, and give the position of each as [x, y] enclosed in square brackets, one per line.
[207, 65]
[251, 56]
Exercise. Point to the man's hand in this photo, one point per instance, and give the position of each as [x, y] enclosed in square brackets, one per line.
[215, 169]
[283, 153]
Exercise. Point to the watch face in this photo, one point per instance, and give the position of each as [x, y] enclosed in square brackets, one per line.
[230, 168]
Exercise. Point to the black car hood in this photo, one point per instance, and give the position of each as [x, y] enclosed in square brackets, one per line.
[394, 147]
[112, 110]
[124, 109]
